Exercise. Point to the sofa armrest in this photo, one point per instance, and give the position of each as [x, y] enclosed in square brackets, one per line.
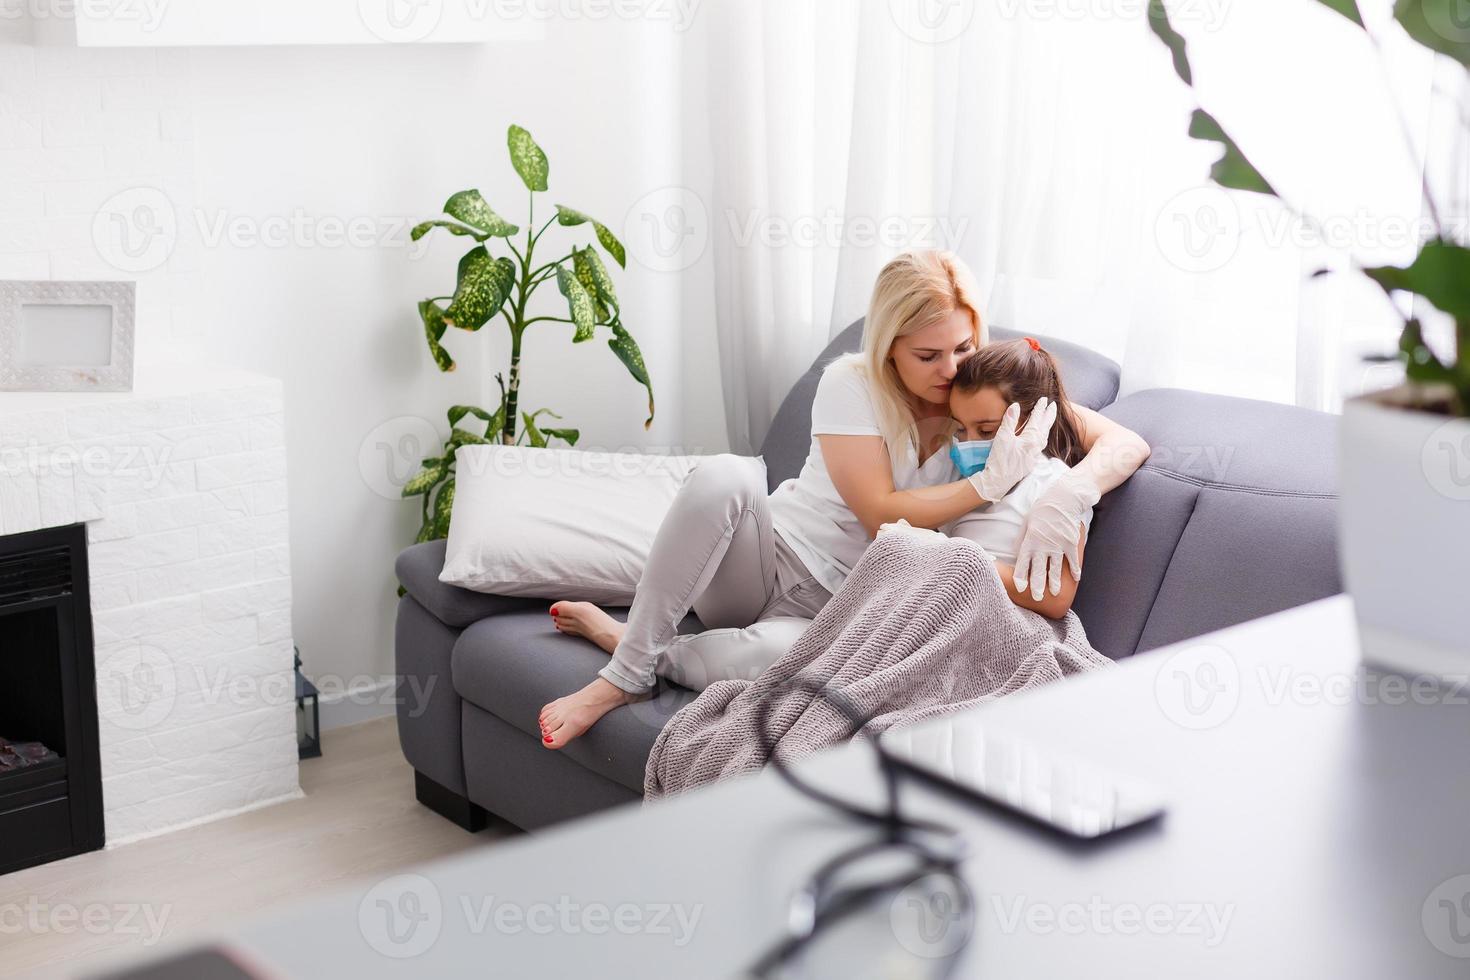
[1233, 517]
[418, 567]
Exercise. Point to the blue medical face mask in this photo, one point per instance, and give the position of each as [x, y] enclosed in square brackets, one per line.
[969, 457]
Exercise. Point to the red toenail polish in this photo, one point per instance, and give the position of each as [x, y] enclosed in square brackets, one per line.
[546, 738]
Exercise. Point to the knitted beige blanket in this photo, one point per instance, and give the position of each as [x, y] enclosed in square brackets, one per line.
[922, 627]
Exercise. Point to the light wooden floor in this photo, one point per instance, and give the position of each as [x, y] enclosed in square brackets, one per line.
[359, 818]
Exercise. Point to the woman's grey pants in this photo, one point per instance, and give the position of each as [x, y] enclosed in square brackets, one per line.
[717, 553]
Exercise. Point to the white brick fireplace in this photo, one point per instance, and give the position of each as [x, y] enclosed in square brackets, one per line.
[182, 485]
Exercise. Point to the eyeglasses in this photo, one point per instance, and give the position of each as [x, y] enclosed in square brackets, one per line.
[927, 856]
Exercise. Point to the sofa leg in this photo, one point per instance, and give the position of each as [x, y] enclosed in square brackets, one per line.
[449, 804]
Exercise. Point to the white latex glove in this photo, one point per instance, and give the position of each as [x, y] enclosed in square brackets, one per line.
[1014, 455]
[1051, 533]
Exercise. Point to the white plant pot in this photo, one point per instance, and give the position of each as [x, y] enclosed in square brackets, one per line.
[1404, 534]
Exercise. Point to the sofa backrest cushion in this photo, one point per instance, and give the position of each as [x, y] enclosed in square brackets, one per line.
[1090, 380]
[1232, 517]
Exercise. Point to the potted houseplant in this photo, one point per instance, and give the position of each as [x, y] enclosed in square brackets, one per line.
[1404, 524]
[489, 285]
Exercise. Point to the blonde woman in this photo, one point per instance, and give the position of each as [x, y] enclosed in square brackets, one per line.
[746, 561]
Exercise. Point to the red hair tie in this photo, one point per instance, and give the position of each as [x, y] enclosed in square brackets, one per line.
[1032, 342]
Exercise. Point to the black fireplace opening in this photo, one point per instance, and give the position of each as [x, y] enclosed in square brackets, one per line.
[50, 767]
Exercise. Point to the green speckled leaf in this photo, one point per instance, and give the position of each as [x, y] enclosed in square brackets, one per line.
[579, 301]
[570, 436]
[568, 216]
[457, 412]
[627, 350]
[496, 425]
[470, 207]
[454, 228]
[534, 434]
[484, 284]
[426, 533]
[434, 327]
[594, 278]
[584, 276]
[610, 242]
[571, 216]
[424, 479]
[464, 437]
[538, 436]
[443, 507]
[1232, 170]
[493, 423]
[528, 159]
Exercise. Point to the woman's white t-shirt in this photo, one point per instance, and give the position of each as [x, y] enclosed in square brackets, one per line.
[808, 511]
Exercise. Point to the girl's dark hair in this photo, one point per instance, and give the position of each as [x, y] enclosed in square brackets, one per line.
[1025, 374]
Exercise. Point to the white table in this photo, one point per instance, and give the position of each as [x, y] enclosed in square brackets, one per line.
[1319, 827]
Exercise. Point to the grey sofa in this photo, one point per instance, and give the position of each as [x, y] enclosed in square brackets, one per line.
[1232, 517]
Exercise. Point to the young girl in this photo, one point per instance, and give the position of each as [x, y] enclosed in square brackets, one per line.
[997, 375]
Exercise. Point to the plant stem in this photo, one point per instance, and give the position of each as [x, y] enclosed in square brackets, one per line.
[543, 229]
[518, 323]
[512, 394]
[551, 265]
[553, 319]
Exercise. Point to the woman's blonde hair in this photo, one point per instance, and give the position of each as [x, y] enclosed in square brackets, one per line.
[914, 290]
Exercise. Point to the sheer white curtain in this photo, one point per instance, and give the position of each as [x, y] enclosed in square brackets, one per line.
[780, 101]
[1045, 142]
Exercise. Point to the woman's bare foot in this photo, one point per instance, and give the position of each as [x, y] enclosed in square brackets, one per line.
[565, 718]
[585, 619]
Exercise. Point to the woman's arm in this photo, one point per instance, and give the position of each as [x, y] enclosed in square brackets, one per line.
[1114, 452]
[863, 475]
[1050, 606]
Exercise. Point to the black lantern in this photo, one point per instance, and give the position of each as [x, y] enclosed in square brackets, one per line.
[308, 719]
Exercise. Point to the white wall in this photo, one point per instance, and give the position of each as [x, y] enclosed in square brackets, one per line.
[248, 139]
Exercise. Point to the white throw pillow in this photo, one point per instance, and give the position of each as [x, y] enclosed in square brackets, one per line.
[557, 523]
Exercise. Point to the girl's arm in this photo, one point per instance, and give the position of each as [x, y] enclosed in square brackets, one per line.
[1050, 606]
[1114, 452]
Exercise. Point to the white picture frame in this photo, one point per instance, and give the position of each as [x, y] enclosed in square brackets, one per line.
[60, 335]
